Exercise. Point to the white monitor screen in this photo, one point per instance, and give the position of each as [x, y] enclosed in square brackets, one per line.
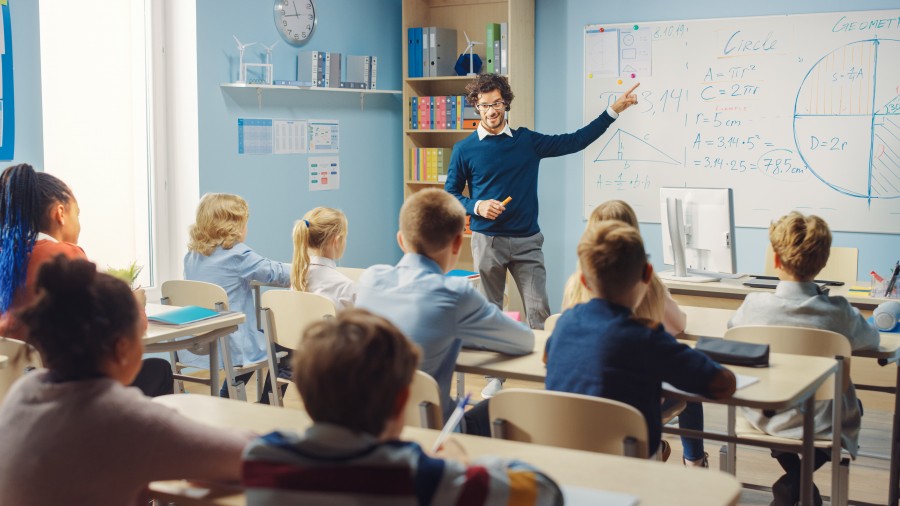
[708, 228]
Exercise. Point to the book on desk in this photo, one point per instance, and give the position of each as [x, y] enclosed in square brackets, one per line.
[183, 316]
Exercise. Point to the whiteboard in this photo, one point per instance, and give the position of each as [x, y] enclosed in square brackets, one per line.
[791, 112]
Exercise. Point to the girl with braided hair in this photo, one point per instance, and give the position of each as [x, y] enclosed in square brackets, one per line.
[39, 222]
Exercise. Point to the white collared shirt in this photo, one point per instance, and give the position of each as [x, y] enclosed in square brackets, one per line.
[44, 237]
[323, 278]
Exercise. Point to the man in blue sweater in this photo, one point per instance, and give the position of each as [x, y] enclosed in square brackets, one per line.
[498, 162]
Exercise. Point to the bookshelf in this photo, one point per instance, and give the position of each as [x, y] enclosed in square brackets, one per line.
[470, 16]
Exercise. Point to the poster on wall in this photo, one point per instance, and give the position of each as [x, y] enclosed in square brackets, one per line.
[7, 113]
[324, 173]
[324, 136]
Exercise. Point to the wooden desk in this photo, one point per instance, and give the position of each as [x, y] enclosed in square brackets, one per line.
[789, 381]
[653, 482]
[728, 293]
[710, 322]
[162, 339]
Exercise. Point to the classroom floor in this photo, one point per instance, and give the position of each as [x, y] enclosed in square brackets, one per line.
[868, 475]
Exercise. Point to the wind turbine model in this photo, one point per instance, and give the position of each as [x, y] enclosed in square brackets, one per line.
[470, 45]
[269, 51]
[241, 48]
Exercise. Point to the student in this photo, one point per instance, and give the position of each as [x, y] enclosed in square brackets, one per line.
[600, 348]
[320, 238]
[437, 312]
[217, 254]
[658, 306]
[802, 245]
[73, 433]
[352, 453]
[39, 217]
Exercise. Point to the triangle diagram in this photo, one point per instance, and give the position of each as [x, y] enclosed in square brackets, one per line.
[630, 148]
[629, 68]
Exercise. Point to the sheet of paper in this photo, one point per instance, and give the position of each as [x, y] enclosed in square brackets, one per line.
[324, 136]
[742, 380]
[254, 136]
[601, 51]
[324, 173]
[290, 137]
[635, 53]
[594, 497]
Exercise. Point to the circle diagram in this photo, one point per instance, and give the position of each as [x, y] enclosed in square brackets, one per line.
[847, 119]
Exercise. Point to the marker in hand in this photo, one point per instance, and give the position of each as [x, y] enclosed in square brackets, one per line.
[451, 423]
[507, 200]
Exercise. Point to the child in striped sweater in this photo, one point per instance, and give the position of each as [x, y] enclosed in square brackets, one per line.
[352, 453]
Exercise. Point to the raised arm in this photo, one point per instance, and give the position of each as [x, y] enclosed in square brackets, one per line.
[255, 267]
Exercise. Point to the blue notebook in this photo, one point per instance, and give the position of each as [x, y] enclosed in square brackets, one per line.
[183, 315]
[463, 273]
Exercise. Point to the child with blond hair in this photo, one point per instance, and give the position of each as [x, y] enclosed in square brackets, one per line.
[801, 245]
[217, 254]
[602, 348]
[658, 305]
[353, 454]
[320, 238]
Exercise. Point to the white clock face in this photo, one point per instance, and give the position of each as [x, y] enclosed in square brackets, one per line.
[295, 20]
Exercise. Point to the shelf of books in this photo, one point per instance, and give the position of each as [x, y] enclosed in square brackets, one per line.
[435, 113]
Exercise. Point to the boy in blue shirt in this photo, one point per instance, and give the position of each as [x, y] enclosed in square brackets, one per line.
[439, 313]
[600, 348]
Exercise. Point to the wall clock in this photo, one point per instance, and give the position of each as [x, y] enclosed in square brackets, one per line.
[295, 20]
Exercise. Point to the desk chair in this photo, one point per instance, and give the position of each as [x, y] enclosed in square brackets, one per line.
[550, 323]
[285, 315]
[575, 421]
[842, 265]
[19, 357]
[198, 293]
[351, 272]
[424, 406]
[813, 342]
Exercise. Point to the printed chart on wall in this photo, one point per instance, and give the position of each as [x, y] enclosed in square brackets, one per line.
[792, 112]
[324, 173]
[7, 101]
[271, 136]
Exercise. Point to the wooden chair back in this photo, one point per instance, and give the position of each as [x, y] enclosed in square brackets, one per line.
[289, 312]
[842, 265]
[351, 272]
[424, 406]
[19, 356]
[580, 422]
[182, 292]
[550, 322]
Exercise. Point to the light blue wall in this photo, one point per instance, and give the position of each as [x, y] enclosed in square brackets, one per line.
[29, 144]
[558, 108]
[276, 186]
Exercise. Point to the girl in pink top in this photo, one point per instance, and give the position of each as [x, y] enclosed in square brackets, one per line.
[74, 433]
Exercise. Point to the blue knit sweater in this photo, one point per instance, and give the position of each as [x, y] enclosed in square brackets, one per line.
[501, 166]
[598, 348]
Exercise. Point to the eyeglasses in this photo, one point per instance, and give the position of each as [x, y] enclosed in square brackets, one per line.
[497, 106]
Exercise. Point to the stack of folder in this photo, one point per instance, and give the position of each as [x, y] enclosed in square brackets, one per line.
[442, 113]
[431, 51]
[321, 69]
[429, 164]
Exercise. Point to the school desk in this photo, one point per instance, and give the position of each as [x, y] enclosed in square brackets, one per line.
[653, 482]
[789, 381]
[162, 339]
[729, 293]
[712, 322]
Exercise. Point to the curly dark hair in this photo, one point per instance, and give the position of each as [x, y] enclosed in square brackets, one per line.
[486, 83]
[78, 317]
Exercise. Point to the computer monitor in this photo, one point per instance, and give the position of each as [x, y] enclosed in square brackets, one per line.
[697, 233]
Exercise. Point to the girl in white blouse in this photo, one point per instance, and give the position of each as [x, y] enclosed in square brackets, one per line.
[320, 239]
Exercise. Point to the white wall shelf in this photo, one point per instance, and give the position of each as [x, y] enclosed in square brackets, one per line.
[261, 88]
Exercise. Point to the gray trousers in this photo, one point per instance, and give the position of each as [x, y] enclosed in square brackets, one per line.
[522, 256]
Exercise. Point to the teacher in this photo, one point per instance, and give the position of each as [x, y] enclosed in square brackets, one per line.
[497, 162]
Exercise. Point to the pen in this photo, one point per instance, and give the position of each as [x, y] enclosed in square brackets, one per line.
[890, 287]
[506, 201]
[451, 423]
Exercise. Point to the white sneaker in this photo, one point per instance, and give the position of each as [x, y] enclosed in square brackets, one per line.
[494, 385]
